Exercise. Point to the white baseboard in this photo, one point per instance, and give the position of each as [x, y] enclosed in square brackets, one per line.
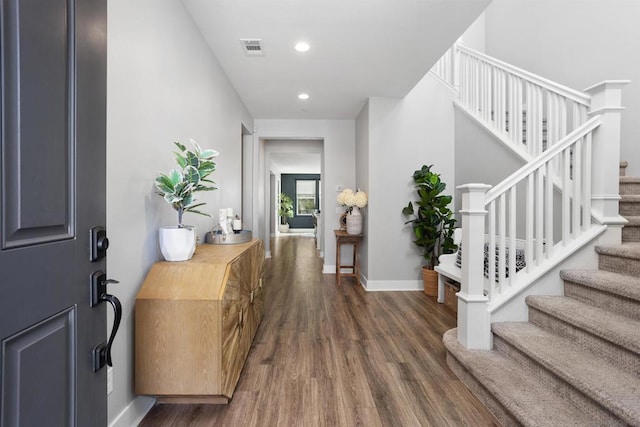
[331, 269]
[133, 414]
[393, 285]
[380, 285]
[267, 254]
[328, 269]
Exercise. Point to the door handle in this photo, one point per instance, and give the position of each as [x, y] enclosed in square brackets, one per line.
[99, 282]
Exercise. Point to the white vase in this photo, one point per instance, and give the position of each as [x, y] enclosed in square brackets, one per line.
[283, 228]
[177, 243]
[354, 221]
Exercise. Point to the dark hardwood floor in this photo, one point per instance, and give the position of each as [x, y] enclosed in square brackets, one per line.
[339, 356]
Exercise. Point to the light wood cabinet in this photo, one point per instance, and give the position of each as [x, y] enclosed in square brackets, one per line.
[195, 322]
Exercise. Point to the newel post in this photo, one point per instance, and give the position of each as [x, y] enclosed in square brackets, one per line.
[474, 326]
[606, 101]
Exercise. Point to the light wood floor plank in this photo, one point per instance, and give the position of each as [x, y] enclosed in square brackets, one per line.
[338, 356]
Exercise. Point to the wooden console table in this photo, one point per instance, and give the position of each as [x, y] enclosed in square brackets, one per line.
[195, 321]
[344, 238]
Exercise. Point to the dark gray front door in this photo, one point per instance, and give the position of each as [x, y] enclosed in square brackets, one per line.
[52, 191]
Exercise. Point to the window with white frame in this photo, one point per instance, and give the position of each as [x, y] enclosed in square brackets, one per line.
[305, 197]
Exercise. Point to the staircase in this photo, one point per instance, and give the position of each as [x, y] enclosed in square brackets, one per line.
[577, 360]
[630, 205]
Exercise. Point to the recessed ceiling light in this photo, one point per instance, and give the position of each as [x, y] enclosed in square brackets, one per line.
[303, 96]
[302, 46]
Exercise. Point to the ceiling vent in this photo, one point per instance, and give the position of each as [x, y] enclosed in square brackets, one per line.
[252, 47]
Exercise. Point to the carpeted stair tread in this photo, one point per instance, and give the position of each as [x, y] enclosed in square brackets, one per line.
[520, 394]
[630, 179]
[611, 387]
[605, 324]
[607, 281]
[630, 250]
[634, 221]
[631, 198]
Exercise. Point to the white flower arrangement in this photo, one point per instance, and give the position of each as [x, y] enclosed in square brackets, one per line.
[350, 199]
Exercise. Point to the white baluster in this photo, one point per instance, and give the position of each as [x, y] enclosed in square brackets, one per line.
[455, 68]
[548, 211]
[491, 250]
[512, 235]
[500, 101]
[502, 231]
[511, 109]
[577, 188]
[563, 116]
[566, 197]
[487, 87]
[538, 120]
[552, 128]
[518, 116]
[540, 215]
[586, 190]
[529, 218]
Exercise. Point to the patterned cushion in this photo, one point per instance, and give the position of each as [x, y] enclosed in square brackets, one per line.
[520, 260]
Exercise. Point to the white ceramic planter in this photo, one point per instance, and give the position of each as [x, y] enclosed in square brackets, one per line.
[283, 228]
[177, 243]
[354, 221]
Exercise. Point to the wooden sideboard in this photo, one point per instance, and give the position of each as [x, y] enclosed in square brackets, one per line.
[195, 322]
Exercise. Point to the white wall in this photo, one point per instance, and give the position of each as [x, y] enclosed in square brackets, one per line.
[475, 150]
[362, 180]
[163, 85]
[576, 43]
[338, 168]
[404, 134]
[475, 36]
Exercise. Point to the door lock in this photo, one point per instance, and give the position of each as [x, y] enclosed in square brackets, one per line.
[99, 243]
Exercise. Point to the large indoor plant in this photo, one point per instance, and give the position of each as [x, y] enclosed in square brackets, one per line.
[178, 187]
[285, 211]
[432, 223]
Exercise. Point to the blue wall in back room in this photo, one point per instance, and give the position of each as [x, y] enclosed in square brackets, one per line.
[289, 188]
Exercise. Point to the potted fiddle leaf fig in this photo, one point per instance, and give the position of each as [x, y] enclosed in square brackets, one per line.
[285, 211]
[177, 243]
[432, 222]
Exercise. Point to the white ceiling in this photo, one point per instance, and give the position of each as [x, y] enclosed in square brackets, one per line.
[359, 49]
[295, 162]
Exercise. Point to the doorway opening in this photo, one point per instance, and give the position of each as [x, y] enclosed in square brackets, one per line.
[295, 168]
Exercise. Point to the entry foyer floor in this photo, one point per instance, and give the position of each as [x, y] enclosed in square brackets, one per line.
[338, 356]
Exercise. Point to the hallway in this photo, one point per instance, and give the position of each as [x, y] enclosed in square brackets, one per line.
[329, 356]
